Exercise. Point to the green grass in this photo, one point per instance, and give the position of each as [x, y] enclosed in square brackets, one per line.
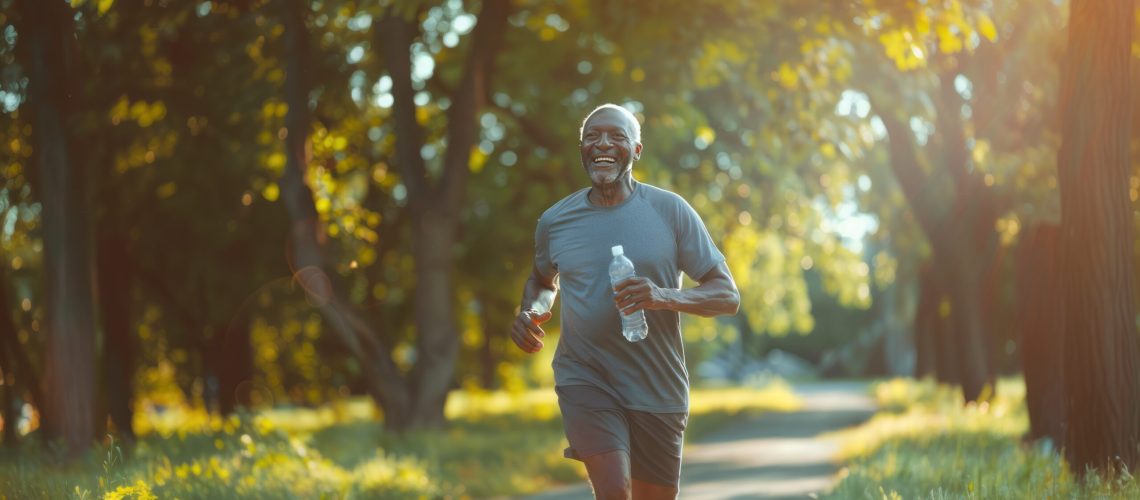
[926, 444]
[497, 444]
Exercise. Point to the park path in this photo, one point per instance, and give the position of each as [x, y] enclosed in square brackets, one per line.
[772, 455]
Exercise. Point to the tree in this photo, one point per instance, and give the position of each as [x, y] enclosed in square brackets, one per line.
[952, 238]
[433, 208]
[69, 367]
[434, 205]
[971, 168]
[1041, 321]
[1102, 375]
[114, 282]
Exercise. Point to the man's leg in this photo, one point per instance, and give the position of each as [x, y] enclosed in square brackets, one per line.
[598, 433]
[655, 453]
[609, 475]
[643, 490]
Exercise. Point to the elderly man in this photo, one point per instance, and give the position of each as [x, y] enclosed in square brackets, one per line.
[624, 404]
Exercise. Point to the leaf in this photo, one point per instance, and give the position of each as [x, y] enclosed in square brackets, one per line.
[476, 160]
[706, 134]
[104, 6]
[271, 191]
[986, 26]
[948, 42]
[617, 65]
[922, 23]
[166, 190]
[827, 149]
[787, 76]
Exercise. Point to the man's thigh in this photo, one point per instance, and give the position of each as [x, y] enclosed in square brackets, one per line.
[655, 446]
[594, 422]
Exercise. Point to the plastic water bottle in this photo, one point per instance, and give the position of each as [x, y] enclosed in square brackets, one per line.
[633, 326]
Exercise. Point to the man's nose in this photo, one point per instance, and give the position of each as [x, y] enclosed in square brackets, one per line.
[604, 140]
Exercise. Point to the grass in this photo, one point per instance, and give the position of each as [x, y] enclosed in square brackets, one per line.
[497, 444]
[926, 444]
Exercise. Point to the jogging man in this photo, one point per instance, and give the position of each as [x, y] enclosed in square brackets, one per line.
[624, 405]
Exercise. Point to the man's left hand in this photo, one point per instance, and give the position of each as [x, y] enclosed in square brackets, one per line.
[637, 293]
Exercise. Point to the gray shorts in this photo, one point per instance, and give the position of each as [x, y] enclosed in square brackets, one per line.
[596, 423]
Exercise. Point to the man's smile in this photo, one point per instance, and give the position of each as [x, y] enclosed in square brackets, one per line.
[605, 160]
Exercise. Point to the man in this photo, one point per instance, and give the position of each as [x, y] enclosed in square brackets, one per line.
[624, 405]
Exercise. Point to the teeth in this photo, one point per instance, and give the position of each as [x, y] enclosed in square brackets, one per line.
[609, 159]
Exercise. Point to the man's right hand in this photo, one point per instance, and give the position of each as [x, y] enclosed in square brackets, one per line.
[526, 331]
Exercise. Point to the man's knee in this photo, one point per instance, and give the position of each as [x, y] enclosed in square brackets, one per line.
[611, 488]
[643, 490]
[609, 475]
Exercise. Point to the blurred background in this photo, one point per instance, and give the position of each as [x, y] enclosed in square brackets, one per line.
[222, 208]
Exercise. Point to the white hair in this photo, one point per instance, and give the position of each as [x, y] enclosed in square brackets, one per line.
[613, 107]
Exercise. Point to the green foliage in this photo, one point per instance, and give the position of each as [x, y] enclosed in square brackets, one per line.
[499, 444]
[925, 444]
[758, 113]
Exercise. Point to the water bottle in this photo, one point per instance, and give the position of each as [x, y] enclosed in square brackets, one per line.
[633, 326]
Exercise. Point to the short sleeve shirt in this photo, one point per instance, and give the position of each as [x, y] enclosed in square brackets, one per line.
[663, 236]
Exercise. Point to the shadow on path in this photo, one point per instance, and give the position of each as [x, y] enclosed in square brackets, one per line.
[773, 455]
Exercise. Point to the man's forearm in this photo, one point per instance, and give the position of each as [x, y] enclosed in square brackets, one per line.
[538, 297]
[714, 298]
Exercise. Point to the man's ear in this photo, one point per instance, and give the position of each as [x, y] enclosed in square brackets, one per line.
[637, 151]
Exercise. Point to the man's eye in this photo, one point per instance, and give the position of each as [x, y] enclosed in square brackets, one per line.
[619, 137]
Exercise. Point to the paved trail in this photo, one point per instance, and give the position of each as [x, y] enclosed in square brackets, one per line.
[774, 455]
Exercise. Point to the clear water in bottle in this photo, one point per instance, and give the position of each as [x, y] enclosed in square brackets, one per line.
[633, 326]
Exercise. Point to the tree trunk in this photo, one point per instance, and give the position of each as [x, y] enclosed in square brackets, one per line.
[380, 374]
[435, 206]
[953, 238]
[1040, 319]
[114, 280]
[966, 321]
[437, 342]
[69, 369]
[234, 355]
[1102, 383]
[924, 324]
[965, 239]
[946, 367]
[1001, 315]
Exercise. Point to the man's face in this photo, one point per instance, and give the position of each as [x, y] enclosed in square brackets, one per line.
[608, 149]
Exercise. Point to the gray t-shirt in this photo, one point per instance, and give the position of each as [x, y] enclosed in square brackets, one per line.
[663, 236]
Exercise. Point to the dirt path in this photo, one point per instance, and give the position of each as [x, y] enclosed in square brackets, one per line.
[774, 455]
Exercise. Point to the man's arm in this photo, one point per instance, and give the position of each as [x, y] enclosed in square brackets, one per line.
[716, 295]
[537, 300]
[539, 292]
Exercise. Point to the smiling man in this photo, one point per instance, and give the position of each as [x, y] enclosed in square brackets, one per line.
[624, 405]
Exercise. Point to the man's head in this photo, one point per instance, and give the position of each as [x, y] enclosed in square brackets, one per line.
[610, 142]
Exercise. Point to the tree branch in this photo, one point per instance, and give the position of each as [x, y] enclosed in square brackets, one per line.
[914, 182]
[953, 138]
[469, 97]
[395, 34]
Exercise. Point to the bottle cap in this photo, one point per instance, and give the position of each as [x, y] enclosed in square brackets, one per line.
[617, 250]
